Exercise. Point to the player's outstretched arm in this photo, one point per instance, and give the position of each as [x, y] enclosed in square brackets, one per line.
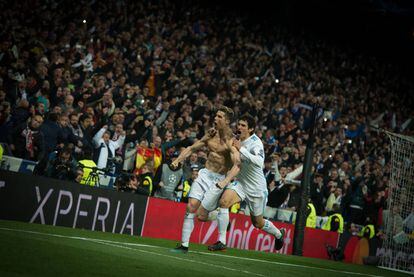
[187, 153]
[197, 145]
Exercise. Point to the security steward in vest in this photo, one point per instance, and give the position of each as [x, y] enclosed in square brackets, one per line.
[335, 221]
[89, 167]
[311, 215]
[145, 186]
[368, 231]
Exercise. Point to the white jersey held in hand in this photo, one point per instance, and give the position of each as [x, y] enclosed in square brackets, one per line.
[251, 175]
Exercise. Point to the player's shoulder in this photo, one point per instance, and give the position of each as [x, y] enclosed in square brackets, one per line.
[255, 139]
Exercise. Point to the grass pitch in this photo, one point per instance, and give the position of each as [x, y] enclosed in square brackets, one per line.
[41, 250]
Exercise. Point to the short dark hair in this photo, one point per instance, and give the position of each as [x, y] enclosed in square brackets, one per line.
[66, 149]
[83, 117]
[227, 111]
[251, 123]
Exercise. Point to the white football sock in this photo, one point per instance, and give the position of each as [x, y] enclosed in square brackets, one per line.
[223, 221]
[188, 227]
[268, 227]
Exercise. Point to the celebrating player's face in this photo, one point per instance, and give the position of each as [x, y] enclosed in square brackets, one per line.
[243, 129]
[220, 119]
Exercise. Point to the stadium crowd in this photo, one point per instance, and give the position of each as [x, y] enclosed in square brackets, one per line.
[124, 86]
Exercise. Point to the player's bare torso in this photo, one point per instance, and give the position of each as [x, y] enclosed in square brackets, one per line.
[219, 159]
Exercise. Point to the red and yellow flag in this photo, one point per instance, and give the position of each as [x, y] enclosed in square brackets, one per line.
[144, 155]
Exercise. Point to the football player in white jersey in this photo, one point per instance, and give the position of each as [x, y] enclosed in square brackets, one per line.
[250, 184]
[223, 163]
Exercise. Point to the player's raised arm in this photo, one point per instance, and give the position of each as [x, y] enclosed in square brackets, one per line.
[190, 149]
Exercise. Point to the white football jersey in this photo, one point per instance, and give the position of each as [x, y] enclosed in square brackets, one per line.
[251, 175]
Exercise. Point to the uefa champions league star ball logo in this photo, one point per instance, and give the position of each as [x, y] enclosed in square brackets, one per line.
[172, 178]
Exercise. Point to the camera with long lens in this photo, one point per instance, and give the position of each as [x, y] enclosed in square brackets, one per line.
[63, 166]
[62, 169]
[115, 160]
[112, 164]
[122, 182]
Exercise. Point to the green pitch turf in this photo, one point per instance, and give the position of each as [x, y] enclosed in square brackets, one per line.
[40, 250]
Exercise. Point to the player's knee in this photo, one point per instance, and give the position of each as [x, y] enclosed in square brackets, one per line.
[258, 224]
[202, 217]
[191, 208]
[225, 203]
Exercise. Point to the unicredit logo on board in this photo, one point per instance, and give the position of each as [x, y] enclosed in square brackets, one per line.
[243, 235]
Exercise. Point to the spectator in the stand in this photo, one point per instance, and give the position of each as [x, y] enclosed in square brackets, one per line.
[21, 113]
[169, 178]
[105, 148]
[268, 171]
[164, 112]
[85, 124]
[76, 131]
[344, 171]
[67, 106]
[280, 192]
[394, 220]
[294, 197]
[346, 199]
[52, 132]
[167, 127]
[335, 197]
[117, 133]
[142, 129]
[191, 163]
[66, 132]
[408, 224]
[284, 185]
[53, 138]
[357, 205]
[145, 155]
[330, 180]
[316, 193]
[374, 205]
[6, 124]
[27, 141]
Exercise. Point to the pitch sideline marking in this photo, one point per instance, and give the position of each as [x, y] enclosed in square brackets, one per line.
[115, 244]
[178, 258]
[110, 242]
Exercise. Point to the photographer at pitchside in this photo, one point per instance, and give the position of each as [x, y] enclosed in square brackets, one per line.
[62, 165]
